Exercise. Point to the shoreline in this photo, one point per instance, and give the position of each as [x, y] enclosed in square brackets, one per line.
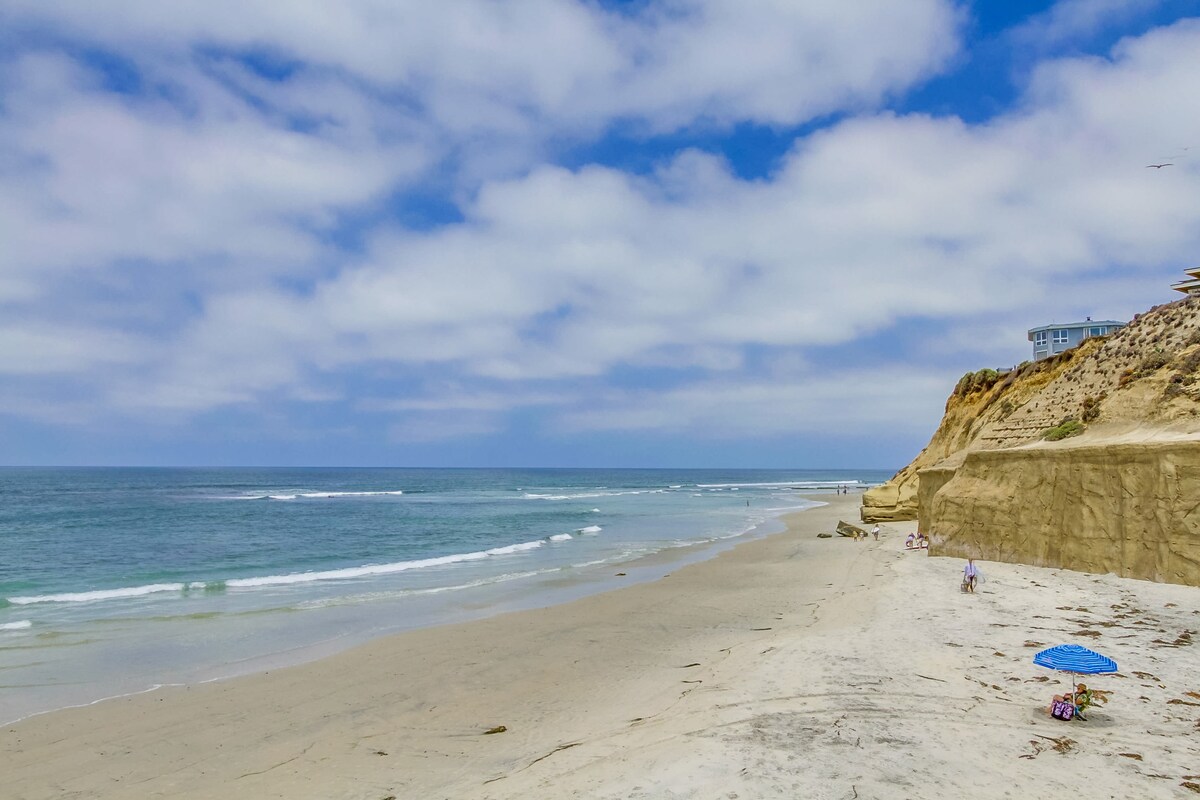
[478, 603]
[785, 666]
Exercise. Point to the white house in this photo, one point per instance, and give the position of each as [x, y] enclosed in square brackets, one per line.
[1049, 340]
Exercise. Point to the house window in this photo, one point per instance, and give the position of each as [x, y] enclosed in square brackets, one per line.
[1060, 337]
[1039, 339]
[1097, 331]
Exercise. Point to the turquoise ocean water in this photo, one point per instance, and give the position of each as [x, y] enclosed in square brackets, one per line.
[115, 581]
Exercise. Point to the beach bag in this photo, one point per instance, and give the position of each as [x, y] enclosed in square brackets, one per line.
[1062, 710]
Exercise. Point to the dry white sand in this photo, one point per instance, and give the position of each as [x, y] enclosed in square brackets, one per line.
[789, 667]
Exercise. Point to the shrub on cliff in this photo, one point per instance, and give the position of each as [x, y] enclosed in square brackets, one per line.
[1153, 361]
[1091, 407]
[1066, 429]
[1190, 363]
[976, 382]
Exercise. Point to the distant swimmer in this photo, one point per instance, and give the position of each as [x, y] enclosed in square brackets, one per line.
[1159, 166]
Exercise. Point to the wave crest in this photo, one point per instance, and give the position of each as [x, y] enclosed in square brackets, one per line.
[315, 495]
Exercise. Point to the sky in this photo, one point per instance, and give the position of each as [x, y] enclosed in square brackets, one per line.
[649, 233]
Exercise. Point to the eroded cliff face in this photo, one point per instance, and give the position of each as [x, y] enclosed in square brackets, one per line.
[1123, 496]
[1132, 509]
[1144, 376]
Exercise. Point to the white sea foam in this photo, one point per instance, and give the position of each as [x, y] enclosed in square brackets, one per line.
[805, 484]
[515, 548]
[101, 594]
[378, 569]
[202, 586]
[595, 511]
[19, 625]
[590, 529]
[314, 495]
[350, 572]
[560, 537]
[347, 573]
[351, 494]
[587, 495]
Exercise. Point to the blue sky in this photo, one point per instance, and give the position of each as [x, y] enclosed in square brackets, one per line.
[567, 233]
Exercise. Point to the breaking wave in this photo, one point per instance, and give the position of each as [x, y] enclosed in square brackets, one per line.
[315, 495]
[347, 573]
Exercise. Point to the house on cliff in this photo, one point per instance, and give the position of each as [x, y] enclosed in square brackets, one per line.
[1052, 339]
[1189, 287]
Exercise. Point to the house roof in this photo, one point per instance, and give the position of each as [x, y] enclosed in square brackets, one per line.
[1087, 323]
[1187, 286]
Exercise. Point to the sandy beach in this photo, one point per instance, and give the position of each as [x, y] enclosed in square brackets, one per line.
[789, 666]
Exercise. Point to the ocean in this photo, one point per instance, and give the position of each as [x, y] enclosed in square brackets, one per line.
[120, 580]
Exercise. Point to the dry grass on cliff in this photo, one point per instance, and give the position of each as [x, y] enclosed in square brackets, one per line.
[1147, 373]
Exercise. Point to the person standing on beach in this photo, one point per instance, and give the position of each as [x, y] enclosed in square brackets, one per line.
[970, 575]
[875, 531]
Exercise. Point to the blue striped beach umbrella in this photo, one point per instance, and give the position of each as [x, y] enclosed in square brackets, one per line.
[1075, 658]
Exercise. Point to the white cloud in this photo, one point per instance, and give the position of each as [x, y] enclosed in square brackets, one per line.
[561, 274]
[38, 349]
[172, 207]
[479, 65]
[1070, 20]
[557, 279]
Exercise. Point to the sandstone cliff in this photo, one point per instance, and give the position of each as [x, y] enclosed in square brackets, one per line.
[1142, 376]
[1132, 509]
[1120, 495]
[982, 412]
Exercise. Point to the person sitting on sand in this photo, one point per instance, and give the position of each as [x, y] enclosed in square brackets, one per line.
[909, 541]
[970, 576]
[1082, 700]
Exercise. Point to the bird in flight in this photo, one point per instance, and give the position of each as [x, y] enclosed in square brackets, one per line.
[1159, 166]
